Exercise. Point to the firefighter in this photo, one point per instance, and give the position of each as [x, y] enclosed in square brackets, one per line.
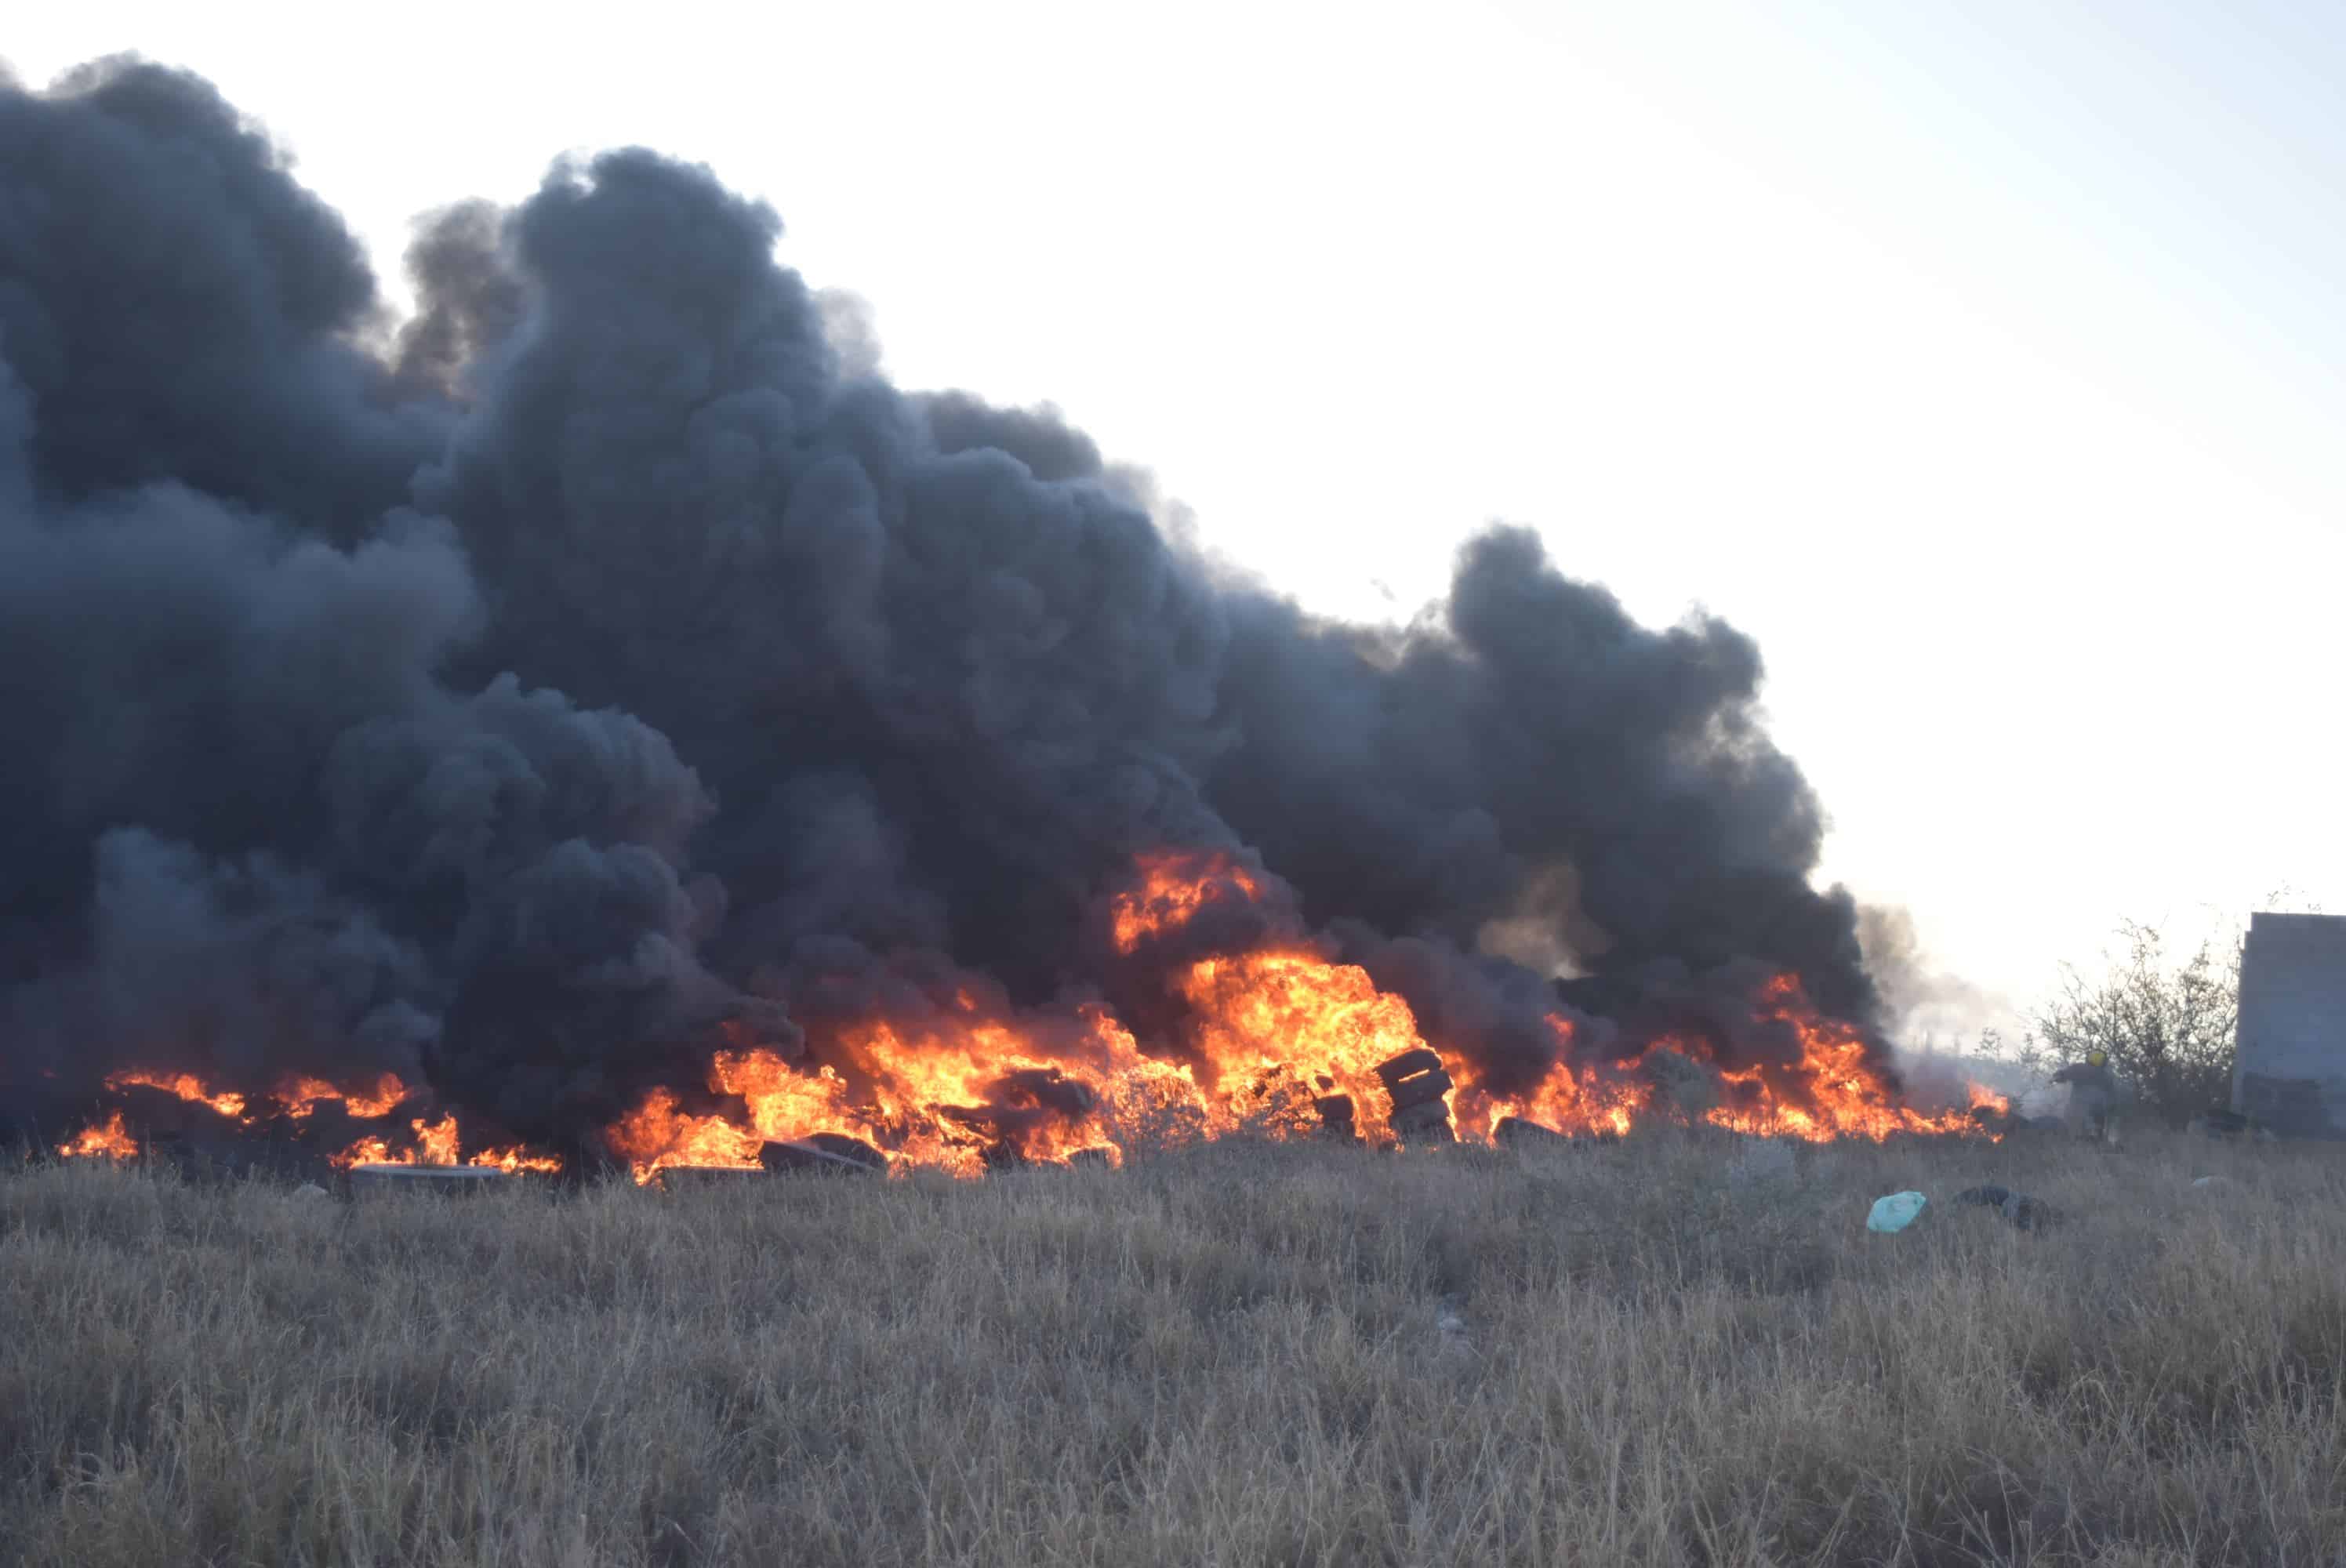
[2093, 1096]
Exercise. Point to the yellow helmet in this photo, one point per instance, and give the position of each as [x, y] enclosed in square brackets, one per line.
[2098, 1058]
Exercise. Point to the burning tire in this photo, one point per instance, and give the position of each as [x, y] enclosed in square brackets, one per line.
[1420, 1090]
[826, 1154]
[1425, 1124]
[1417, 1082]
[1514, 1133]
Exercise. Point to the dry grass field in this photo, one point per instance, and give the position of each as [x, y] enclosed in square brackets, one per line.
[1231, 1356]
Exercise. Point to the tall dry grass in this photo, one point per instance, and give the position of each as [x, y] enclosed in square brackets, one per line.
[1623, 1354]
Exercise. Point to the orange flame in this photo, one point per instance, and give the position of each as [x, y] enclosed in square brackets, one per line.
[439, 1143]
[1265, 1033]
[656, 1135]
[109, 1140]
[1173, 888]
[942, 1093]
[1582, 1098]
[370, 1151]
[301, 1096]
[515, 1160]
[1830, 1091]
[186, 1085]
[1274, 1029]
[296, 1097]
[1273, 1025]
[1269, 1031]
[436, 1142]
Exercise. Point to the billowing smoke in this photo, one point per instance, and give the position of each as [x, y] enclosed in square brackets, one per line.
[1921, 1001]
[608, 660]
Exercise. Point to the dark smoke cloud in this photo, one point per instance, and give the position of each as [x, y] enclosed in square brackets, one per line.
[1037, 437]
[616, 662]
[180, 308]
[472, 302]
[1418, 780]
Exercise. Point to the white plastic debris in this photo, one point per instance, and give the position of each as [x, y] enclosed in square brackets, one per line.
[1454, 1343]
[1896, 1212]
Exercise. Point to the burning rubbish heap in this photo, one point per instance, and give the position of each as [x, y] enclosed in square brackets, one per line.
[1278, 1040]
[602, 721]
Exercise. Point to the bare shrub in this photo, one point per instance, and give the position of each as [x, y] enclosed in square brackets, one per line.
[2167, 1026]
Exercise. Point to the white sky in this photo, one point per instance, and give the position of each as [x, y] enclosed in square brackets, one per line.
[1983, 360]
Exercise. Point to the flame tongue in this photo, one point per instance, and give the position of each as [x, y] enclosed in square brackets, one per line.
[1174, 889]
[657, 1135]
[959, 1091]
[439, 1142]
[1273, 1025]
[185, 1085]
[297, 1100]
[303, 1095]
[1272, 1037]
[108, 1139]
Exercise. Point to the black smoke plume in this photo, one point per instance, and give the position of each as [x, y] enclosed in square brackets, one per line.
[521, 697]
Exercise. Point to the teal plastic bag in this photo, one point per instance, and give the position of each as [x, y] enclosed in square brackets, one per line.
[1896, 1212]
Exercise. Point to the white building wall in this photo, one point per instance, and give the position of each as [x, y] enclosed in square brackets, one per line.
[2290, 1066]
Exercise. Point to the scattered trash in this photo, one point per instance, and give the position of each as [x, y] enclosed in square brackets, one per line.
[2208, 1181]
[309, 1189]
[2026, 1213]
[1896, 1212]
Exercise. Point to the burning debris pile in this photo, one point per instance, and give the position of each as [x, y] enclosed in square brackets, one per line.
[1280, 1039]
[602, 721]
[177, 1109]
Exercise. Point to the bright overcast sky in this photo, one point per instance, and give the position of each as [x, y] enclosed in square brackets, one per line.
[1983, 360]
